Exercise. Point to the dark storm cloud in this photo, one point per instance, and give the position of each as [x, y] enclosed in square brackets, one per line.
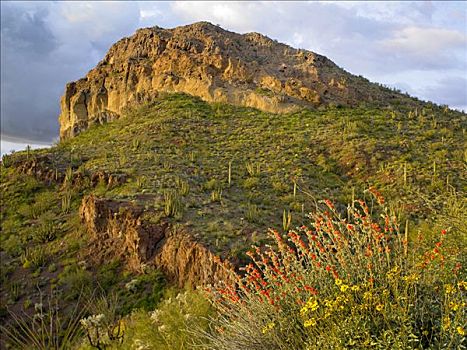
[25, 37]
[26, 32]
[43, 46]
[451, 91]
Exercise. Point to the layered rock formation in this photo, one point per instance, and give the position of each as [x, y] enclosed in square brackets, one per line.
[217, 65]
[118, 229]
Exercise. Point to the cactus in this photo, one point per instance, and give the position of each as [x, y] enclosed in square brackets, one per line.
[253, 169]
[216, 195]
[286, 220]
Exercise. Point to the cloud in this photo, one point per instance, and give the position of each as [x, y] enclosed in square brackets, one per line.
[451, 91]
[427, 48]
[45, 45]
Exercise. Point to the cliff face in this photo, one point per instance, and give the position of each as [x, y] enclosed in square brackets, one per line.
[206, 61]
[120, 230]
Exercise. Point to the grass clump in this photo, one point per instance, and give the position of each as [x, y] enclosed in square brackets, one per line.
[356, 282]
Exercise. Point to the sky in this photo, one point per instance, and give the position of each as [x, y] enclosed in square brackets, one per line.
[418, 47]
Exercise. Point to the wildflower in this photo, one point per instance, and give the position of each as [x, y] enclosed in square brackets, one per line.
[453, 306]
[329, 204]
[344, 287]
[310, 289]
[461, 330]
[411, 278]
[138, 344]
[93, 321]
[462, 285]
[338, 282]
[309, 323]
[310, 305]
[154, 316]
[379, 307]
[355, 288]
[268, 327]
[449, 288]
[367, 295]
[446, 323]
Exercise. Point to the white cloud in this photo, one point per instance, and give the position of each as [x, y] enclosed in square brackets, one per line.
[425, 41]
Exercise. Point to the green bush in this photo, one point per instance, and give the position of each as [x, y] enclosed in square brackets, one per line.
[76, 281]
[171, 325]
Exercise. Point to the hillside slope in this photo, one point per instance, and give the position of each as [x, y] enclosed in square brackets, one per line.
[217, 65]
[176, 183]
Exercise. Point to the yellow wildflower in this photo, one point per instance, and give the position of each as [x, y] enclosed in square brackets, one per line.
[310, 322]
[367, 295]
[379, 307]
[344, 287]
[268, 327]
[338, 282]
[312, 305]
[449, 288]
[355, 288]
[454, 306]
[462, 285]
[461, 330]
[394, 272]
[411, 278]
[446, 323]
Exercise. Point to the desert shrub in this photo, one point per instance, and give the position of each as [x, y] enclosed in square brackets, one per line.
[13, 245]
[170, 325]
[46, 230]
[105, 327]
[340, 283]
[42, 202]
[35, 258]
[250, 182]
[76, 280]
[211, 184]
[167, 327]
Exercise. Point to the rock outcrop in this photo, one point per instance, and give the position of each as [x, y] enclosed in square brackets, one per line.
[118, 229]
[217, 65]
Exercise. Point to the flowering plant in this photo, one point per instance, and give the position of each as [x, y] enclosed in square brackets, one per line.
[342, 282]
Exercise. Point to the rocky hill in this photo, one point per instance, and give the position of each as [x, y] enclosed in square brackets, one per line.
[217, 65]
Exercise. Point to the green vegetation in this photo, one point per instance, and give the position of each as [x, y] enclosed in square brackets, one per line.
[350, 282]
[225, 174]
